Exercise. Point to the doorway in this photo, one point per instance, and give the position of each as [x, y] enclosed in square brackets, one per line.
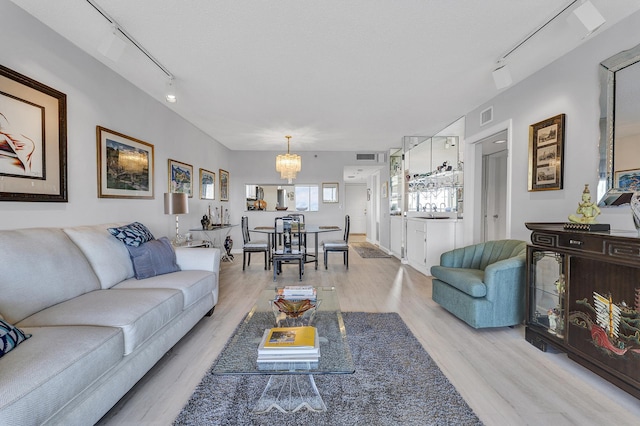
[494, 187]
[356, 207]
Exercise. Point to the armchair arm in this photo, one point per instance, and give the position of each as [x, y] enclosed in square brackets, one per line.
[505, 280]
[204, 259]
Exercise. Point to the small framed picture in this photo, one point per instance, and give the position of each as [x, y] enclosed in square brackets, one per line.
[180, 177]
[628, 180]
[546, 154]
[224, 185]
[207, 185]
[125, 166]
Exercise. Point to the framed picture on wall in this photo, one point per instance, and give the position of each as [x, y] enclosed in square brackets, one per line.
[224, 185]
[628, 180]
[125, 166]
[207, 185]
[546, 154]
[180, 177]
[33, 140]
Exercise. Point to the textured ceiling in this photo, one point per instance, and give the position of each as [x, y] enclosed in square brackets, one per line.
[334, 74]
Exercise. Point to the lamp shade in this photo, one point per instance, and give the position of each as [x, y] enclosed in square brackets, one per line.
[176, 203]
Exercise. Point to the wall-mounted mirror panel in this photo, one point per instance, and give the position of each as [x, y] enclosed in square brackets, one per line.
[330, 192]
[619, 167]
[433, 173]
[273, 197]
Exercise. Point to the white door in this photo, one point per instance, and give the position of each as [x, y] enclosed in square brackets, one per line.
[356, 207]
[495, 191]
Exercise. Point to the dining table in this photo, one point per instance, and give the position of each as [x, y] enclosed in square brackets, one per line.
[307, 229]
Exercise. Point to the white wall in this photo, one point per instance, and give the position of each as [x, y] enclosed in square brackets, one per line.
[571, 86]
[98, 96]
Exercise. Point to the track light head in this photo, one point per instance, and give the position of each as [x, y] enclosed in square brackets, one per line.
[171, 91]
[589, 16]
[502, 77]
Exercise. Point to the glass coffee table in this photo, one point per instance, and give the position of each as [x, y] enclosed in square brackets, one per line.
[291, 386]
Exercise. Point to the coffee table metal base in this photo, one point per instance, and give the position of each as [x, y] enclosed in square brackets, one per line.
[290, 393]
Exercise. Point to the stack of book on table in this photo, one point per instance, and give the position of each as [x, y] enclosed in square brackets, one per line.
[289, 344]
[297, 292]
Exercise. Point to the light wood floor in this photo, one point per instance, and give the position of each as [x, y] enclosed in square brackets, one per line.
[502, 377]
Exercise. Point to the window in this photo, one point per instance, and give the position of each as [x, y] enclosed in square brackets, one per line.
[306, 198]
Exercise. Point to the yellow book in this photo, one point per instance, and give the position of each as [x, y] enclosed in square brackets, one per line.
[284, 337]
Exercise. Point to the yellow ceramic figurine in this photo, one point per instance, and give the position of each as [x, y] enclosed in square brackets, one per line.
[587, 210]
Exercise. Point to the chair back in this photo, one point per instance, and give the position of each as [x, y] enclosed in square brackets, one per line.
[288, 232]
[299, 216]
[245, 229]
[347, 225]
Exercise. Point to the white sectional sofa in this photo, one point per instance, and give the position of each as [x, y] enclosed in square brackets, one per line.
[95, 329]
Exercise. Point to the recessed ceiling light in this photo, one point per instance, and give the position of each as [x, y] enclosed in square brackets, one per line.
[500, 141]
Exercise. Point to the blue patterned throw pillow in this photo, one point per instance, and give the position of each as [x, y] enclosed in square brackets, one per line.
[10, 337]
[133, 234]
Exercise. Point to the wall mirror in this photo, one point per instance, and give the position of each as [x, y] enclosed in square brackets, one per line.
[619, 167]
[273, 197]
[433, 173]
[330, 192]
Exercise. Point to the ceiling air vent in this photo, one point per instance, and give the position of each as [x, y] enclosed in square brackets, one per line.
[486, 116]
[367, 157]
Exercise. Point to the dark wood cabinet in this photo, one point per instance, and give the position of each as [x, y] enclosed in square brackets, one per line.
[583, 298]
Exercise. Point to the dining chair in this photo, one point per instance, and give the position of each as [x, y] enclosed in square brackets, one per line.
[287, 230]
[300, 218]
[338, 245]
[249, 246]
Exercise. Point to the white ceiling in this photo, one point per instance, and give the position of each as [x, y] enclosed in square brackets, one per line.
[336, 75]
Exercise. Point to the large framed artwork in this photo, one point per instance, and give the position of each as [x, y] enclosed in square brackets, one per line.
[125, 166]
[180, 177]
[224, 185]
[33, 140]
[628, 180]
[207, 185]
[546, 154]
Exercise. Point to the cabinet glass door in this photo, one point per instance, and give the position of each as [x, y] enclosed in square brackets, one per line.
[547, 292]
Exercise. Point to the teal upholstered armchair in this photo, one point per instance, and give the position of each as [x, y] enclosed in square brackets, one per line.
[483, 284]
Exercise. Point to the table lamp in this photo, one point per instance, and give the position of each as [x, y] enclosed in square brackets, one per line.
[176, 203]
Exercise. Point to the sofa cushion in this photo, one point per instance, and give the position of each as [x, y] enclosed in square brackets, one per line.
[153, 258]
[40, 267]
[469, 281]
[44, 373]
[10, 337]
[193, 284]
[132, 234]
[138, 312]
[108, 257]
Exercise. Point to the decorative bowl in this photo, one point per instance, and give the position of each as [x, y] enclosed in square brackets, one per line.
[294, 313]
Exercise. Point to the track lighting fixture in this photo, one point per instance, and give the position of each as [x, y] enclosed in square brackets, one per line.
[171, 91]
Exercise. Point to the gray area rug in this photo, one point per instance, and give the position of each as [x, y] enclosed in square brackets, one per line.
[396, 383]
[368, 250]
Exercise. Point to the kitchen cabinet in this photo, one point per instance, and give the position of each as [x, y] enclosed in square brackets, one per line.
[427, 239]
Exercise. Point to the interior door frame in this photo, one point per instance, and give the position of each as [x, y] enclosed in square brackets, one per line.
[488, 162]
[473, 220]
